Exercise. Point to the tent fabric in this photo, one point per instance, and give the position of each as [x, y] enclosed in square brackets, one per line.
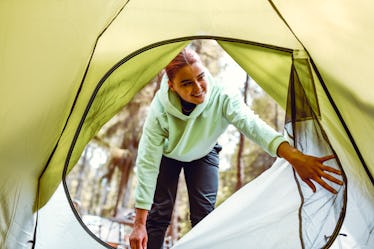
[58, 227]
[62, 62]
[42, 64]
[341, 32]
[251, 217]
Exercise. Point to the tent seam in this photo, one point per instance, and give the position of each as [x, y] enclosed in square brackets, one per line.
[285, 22]
[349, 134]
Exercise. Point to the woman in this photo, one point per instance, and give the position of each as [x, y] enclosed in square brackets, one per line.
[186, 117]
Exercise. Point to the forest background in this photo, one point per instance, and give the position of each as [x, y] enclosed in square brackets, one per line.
[102, 183]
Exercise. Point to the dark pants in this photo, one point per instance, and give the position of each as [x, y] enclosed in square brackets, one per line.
[202, 184]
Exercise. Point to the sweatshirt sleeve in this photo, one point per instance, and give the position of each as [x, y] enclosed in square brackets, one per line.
[148, 162]
[250, 124]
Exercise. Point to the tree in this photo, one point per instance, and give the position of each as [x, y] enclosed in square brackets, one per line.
[239, 161]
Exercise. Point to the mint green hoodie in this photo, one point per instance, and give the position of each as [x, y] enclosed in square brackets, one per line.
[167, 131]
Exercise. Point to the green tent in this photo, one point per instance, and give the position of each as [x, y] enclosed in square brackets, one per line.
[68, 66]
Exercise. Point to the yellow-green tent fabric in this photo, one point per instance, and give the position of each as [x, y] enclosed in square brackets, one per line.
[68, 66]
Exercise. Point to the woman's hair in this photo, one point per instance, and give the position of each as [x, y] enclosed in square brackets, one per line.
[186, 57]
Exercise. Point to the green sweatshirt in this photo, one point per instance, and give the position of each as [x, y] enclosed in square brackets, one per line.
[167, 131]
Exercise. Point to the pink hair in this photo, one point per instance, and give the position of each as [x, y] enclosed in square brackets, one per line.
[186, 57]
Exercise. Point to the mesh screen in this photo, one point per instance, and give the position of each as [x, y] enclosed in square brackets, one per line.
[321, 213]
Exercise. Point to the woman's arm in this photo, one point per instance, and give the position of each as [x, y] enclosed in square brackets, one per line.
[309, 167]
[237, 113]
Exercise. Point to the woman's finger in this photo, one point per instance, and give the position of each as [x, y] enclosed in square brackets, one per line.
[310, 184]
[332, 179]
[325, 185]
[331, 169]
[135, 244]
[145, 243]
[326, 158]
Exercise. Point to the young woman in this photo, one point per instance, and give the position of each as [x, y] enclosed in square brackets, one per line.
[186, 117]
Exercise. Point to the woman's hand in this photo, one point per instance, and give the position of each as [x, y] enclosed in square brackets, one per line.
[310, 168]
[138, 237]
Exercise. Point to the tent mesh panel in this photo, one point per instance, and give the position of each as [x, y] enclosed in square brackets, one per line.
[321, 213]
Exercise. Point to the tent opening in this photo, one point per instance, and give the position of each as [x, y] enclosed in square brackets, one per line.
[100, 184]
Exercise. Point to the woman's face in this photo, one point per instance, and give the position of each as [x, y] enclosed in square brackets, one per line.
[190, 84]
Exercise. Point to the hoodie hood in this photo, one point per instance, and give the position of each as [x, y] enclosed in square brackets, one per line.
[171, 101]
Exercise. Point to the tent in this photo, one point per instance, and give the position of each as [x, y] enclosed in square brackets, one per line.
[68, 66]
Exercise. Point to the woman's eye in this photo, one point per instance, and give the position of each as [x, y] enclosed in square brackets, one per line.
[201, 77]
[186, 83]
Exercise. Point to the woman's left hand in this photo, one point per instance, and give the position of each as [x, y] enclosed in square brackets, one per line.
[310, 168]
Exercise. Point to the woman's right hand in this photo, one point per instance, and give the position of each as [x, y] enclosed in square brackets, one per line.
[138, 237]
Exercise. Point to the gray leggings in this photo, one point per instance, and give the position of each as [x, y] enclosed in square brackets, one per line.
[202, 184]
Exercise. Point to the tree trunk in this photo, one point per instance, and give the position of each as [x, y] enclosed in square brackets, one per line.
[78, 189]
[276, 124]
[239, 166]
